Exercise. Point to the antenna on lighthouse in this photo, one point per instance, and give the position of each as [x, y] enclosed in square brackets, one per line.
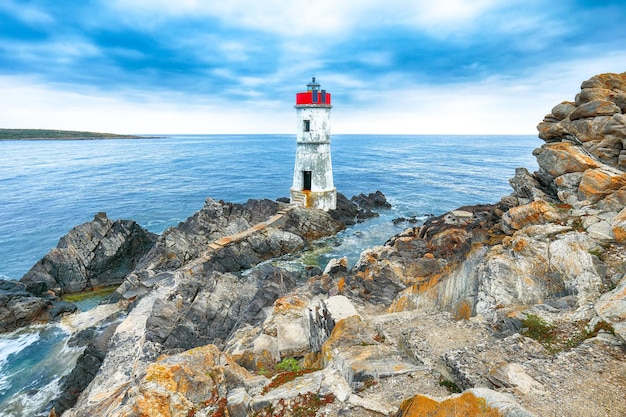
[313, 172]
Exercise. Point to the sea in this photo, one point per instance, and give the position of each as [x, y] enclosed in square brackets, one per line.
[47, 187]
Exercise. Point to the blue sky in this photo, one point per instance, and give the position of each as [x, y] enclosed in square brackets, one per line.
[234, 66]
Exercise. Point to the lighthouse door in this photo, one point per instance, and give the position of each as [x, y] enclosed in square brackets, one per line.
[307, 180]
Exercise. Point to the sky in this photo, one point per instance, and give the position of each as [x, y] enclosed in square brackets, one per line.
[234, 66]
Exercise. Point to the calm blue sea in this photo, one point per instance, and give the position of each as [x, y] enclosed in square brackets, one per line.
[47, 187]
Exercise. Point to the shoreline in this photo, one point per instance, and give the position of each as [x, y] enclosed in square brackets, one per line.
[83, 138]
[52, 134]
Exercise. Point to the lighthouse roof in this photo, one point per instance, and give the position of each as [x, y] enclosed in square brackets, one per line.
[313, 85]
[314, 96]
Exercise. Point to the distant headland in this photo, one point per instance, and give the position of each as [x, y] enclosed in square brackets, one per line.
[48, 134]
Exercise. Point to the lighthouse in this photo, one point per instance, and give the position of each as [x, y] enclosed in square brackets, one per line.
[313, 171]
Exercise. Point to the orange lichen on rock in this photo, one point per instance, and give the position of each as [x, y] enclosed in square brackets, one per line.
[598, 183]
[535, 212]
[341, 284]
[519, 245]
[402, 303]
[348, 332]
[466, 404]
[288, 302]
[174, 385]
[405, 302]
[619, 226]
[562, 157]
[463, 310]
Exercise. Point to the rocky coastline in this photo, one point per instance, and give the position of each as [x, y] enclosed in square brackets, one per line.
[510, 309]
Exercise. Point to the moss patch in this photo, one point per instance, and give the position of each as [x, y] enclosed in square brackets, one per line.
[84, 296]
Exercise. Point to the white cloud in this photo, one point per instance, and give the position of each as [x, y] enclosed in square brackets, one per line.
[497, 105]
[321, 18]
[55, 52]
[29, 104]
[26, 13]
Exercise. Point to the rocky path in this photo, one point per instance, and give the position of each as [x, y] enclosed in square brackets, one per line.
[237, 237]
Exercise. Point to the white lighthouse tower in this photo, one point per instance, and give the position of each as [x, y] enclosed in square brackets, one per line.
[313, 171]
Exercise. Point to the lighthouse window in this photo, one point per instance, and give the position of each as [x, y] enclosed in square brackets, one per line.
[307, 125]
[307, 180]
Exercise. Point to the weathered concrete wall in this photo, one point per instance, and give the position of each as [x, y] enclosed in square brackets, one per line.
[313, 154]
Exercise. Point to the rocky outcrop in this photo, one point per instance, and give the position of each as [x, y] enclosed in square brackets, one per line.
[584, 158]
[359, 207]
[184, 293]
[559, 234]
[595, 120]
[95, 254]
[226, 237]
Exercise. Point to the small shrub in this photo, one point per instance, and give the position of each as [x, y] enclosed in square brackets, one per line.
[564, 337]
[577, 224]
[596, 252]
[369, 382]
[452, 387]
[288, 365]
[602, 325]
[538, 329]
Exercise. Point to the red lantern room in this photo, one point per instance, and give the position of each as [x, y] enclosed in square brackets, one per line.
[313, 96]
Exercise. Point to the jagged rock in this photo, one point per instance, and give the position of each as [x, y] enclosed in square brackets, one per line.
[614, 202]
[563, 158]
[308, 383]
[346, 211]
[358, 208]
[513, 375]
[375, 200]
[87, 365]
[536, 212]
[563, 110]
[181, 384]
[612, 308]
[19, 307]
[594, 108]
[357, 351]
[601, 231]
[337, 266]
[598, 183]
[94, 254]
[289, 323]
[527, 188]
[567, 187]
